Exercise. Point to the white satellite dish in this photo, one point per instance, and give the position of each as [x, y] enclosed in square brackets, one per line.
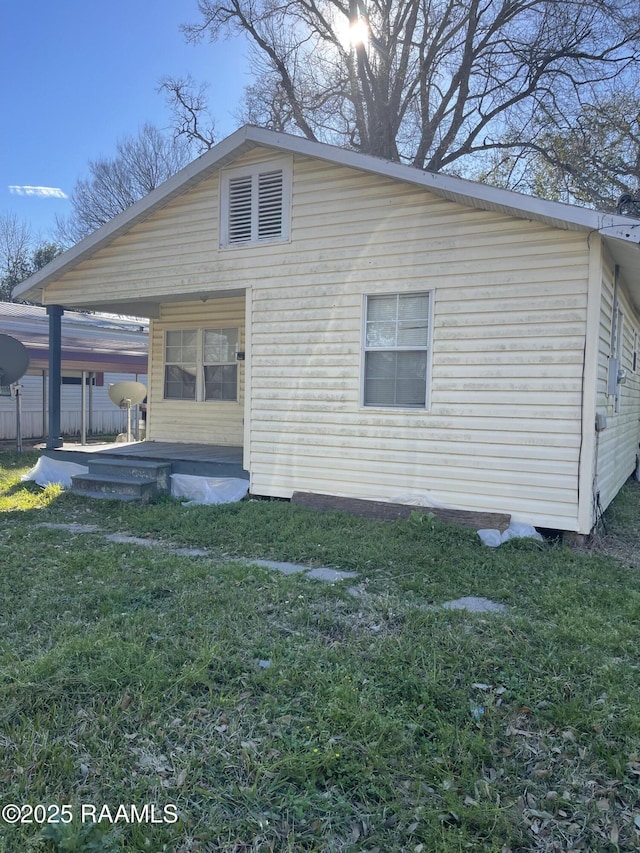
[127, 394]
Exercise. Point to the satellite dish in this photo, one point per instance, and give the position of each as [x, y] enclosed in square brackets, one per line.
[14, 360]
[126, 394]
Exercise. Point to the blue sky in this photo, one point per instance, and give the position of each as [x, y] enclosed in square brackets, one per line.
[77, 76]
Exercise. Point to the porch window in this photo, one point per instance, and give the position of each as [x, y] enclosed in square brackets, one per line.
[200, 364]
[220, 367]
[396, 350]
[181, 364]
[255, 204]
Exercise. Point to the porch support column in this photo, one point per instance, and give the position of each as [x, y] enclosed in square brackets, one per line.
[55, 313]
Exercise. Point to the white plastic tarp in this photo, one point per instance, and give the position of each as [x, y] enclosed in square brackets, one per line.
[515, 530]
[208, 490]
[422, 499]
[48, 471]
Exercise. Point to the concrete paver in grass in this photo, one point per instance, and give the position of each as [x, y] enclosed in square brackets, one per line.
[475, 605]
[323, 573]
[330, 575]
[123, 539]
[191, 552]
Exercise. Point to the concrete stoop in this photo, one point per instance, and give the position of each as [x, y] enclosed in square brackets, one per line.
[123, 479]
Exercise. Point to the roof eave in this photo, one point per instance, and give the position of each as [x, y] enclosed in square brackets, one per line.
[461, 190]
[179, 183]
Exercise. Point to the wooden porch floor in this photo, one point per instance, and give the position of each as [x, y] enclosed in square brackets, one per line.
[203, 460]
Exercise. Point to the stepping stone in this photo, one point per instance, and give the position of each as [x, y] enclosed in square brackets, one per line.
[475, 605]
[285, 568]
[191, 552]
[121, 539]
[330, 575]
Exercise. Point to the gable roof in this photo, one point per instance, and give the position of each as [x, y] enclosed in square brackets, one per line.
[621, 234]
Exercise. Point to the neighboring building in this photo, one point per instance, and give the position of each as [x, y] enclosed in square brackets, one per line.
[107, 348]
[366, 329]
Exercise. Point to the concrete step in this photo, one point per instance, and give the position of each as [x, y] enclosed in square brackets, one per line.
[85, 493]
[114, 487]
[135, 469]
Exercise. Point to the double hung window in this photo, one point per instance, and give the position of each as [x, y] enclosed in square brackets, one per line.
[200, 364]
[219, 364]
[396, 350]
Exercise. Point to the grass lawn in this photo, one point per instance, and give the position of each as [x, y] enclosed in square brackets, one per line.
[262, 712]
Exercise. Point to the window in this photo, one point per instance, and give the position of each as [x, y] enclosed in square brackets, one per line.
[255, 205]
[396, 350]
[200, 364]
[180, 365]
[634, 356]
[220, 368]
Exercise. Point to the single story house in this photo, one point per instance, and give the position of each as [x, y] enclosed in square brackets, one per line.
[366, 329]
[96, 349]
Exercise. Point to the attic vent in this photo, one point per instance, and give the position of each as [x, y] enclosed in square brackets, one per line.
[255, 206]
[270, 205]
[240, 209]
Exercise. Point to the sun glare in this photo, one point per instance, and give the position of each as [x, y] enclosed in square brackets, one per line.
[352, 34]
[359, 32]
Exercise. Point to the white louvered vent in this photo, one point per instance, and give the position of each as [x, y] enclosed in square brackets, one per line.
[256, 204]
[240, 194]
[270, 205]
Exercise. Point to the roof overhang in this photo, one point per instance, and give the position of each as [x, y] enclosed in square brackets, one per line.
[621, 234]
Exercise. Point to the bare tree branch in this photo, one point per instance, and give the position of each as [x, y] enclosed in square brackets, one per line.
[140, 165]
[429, 82]
[188, 104]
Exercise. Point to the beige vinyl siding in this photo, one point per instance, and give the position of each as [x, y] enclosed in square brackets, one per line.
[509, 303]
[617, 445]
[210, 421]
[503, 428]
[174, 252]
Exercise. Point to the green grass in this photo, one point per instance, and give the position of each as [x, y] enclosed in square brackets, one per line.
[132, 675]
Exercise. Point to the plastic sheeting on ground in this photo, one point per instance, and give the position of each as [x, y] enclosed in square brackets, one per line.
[208, 490]
[418, 499]
[515, 530]
[48, 471]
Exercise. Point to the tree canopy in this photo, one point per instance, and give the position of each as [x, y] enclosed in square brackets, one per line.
[141, 164]
[428, 82]
[20, 254]
[593, 160]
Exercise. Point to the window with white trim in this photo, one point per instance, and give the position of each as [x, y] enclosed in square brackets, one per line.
[180, 364]
[219, 363]
[201, 365]
[396, 350]
[255, 204]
